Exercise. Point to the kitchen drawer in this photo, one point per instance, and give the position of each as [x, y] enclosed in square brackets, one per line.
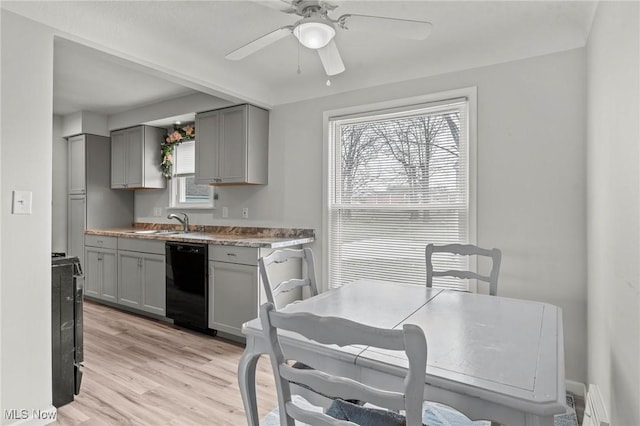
[141, 245]
[101, 241]
[232, 254]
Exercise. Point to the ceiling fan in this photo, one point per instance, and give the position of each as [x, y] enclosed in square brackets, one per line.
[316, 30]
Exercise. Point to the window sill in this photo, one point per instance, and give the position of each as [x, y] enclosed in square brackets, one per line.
[188, 207]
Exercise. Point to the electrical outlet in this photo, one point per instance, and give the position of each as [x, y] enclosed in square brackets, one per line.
[225, 212]
[245, 213]
[157, 211]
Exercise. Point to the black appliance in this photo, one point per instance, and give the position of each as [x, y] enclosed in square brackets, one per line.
[66, 327]
[186, 281]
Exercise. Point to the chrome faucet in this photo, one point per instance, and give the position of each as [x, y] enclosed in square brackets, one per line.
[184, 221]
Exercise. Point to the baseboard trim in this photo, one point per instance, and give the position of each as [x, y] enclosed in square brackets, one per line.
[595, 412]
[576, 388]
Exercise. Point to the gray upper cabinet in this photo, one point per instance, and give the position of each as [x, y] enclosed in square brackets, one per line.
[77, 180]
[232, 146]
[135, 158]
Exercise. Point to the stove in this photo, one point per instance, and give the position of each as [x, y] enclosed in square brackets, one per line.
[66, 327]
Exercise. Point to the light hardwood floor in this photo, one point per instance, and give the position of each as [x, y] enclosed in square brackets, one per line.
[144, 372]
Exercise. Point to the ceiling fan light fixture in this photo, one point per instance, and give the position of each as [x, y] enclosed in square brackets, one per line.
[314, 33]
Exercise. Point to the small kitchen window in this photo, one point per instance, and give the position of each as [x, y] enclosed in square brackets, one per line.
[185, 194]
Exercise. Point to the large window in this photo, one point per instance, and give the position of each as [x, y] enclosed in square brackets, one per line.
[184, 191]
[398, 180]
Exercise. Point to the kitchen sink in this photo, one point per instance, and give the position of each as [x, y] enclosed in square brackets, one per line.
[168, 232]
[156, 232]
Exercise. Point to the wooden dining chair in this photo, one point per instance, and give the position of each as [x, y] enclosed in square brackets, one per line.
[273, 289]
[342, 332]
[464, 250]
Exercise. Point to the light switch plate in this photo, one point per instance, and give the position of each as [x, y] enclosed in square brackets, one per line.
[22, 202]
[225, 212]
[245, 213]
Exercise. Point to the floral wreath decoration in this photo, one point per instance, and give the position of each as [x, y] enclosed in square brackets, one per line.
[174, 137]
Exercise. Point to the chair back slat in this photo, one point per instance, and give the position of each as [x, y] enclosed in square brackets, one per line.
[464, 250]
[342, 387]
[314, 418]
[463, 275]
[340, 331]
[273, 289]
[289, 285]
[337, 331]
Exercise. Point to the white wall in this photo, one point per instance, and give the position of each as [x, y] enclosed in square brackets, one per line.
[60, 196]
[614, 208]
[25, 240]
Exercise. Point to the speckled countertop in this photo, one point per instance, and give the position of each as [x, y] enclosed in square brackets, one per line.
[223, 235]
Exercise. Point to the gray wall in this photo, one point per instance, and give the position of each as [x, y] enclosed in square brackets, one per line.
[531, 177]
[614, 208]
[59, 188]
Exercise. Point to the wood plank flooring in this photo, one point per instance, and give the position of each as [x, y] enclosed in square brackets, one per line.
[139, 371]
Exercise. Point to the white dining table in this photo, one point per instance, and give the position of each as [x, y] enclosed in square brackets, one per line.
[492, 358]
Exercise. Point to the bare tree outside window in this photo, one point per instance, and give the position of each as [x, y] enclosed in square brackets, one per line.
[401, 182]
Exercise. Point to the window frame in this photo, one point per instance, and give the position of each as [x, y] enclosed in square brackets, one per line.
[177, 189]
[398, 104]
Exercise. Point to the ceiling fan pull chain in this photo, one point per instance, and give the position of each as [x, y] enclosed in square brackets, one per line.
[299, 70]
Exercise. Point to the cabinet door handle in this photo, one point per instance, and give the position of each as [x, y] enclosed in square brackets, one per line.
[232, 254]
[100, 257]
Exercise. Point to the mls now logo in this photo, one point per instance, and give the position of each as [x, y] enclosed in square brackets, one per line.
[15, 414]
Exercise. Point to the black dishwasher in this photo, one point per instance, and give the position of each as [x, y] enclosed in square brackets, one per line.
[186, 281]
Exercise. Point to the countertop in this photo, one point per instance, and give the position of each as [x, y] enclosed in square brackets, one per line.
[221, 235]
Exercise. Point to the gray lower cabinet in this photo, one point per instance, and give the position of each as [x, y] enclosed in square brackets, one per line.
[130, 276]
[233, 296]
[153, 284]
[101, 268]
[101, 274]
[235, 288]
[126, 271]
[141, 275]
[141, 281]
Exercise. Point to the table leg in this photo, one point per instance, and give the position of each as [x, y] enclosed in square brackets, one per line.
[247, 381]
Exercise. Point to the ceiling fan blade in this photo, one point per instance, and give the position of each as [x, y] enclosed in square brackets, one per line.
[259, 43]
[404, 28]
[330, 58]
[274, 4]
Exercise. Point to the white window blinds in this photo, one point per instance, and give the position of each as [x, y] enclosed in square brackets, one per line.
[185, 154]
[398, 180]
